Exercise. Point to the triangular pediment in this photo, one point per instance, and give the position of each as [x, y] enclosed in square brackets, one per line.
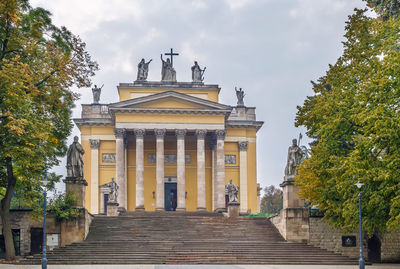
[169, 100]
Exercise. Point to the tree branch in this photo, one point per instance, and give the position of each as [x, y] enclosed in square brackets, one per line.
[40, 83]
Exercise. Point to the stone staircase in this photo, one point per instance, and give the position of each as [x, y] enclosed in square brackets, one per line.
[186, 238]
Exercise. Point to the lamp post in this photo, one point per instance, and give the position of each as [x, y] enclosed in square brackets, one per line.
[361, 261]
[44, 257]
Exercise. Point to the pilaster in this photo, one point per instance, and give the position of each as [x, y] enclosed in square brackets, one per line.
[243, 176]
[94, 178]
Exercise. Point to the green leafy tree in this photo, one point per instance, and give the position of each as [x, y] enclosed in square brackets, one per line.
[385, 8]
[272, 200]
[39, 62]
[354, 119]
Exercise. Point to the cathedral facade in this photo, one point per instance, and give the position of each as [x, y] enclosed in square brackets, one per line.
[169, 146]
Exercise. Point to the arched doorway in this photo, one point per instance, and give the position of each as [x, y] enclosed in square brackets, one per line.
[374, 249]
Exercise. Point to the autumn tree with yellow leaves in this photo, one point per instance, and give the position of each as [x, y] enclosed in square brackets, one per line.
[39, 63]
[354, 119]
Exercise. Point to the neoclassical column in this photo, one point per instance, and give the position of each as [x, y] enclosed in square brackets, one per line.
[120, 167]
[94, 176]
[220, 171]
[201, 172]
[160, 133]
[243, 176]
[213, 147]
[180, 167]
[139, 133]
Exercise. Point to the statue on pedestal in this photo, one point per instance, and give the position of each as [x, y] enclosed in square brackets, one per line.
[295, 154]
[240, 95]
[74, 159]
[197, 73]
[232, 191]
[96, 94]
[168, 72]
[143, 70]
[113, 196]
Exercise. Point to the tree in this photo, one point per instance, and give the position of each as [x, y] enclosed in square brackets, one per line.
[272, 201]
[354, 119]
[39, 62]
[385, 8]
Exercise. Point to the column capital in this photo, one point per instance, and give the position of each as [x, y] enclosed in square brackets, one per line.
[139, 133]
[243, 145]
[94, 143]
[180, 133]
[201, 134]
[119, 132]
[220, 134]
[160, 133]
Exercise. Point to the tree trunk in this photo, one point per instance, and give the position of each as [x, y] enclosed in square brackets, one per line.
[5, 212]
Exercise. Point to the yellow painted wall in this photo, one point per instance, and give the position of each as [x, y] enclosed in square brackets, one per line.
[169, 118]
[169, 103]
[96, 130]
[125, 94]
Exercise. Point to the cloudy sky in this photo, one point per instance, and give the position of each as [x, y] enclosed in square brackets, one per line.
[270, 48]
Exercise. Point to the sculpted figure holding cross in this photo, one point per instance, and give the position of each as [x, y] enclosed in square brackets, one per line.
[167, 72]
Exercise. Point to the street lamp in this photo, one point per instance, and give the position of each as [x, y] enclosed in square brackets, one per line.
[44, 258]
[361, 261]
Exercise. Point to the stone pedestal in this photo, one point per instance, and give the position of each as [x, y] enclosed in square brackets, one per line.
[233, 210]
[294, 221]
[112, 209]
[76, 186]
[294, 224]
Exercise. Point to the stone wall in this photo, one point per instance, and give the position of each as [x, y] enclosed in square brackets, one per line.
[323, 236]
[70, 231]
[390, 249]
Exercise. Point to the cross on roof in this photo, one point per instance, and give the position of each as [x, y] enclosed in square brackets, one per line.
[171, 54]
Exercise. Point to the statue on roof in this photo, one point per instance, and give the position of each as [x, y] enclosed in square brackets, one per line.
[96, 94]
[143, 70]
[168, 72]
[240, 95]
[197, 73]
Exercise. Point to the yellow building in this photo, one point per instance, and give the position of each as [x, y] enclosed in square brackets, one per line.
[169, 145]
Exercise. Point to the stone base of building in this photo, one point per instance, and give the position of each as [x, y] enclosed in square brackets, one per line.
[113, 209]
[139, 208]
[201, 209]
[76, 187]
[160, 209]
[233, 210]
[181, 209]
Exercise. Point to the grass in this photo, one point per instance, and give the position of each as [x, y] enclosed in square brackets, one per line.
[260, 215]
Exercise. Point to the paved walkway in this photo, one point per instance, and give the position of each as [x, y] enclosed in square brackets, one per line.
[378, 266]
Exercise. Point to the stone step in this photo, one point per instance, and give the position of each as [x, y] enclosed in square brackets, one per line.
[186, 238]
